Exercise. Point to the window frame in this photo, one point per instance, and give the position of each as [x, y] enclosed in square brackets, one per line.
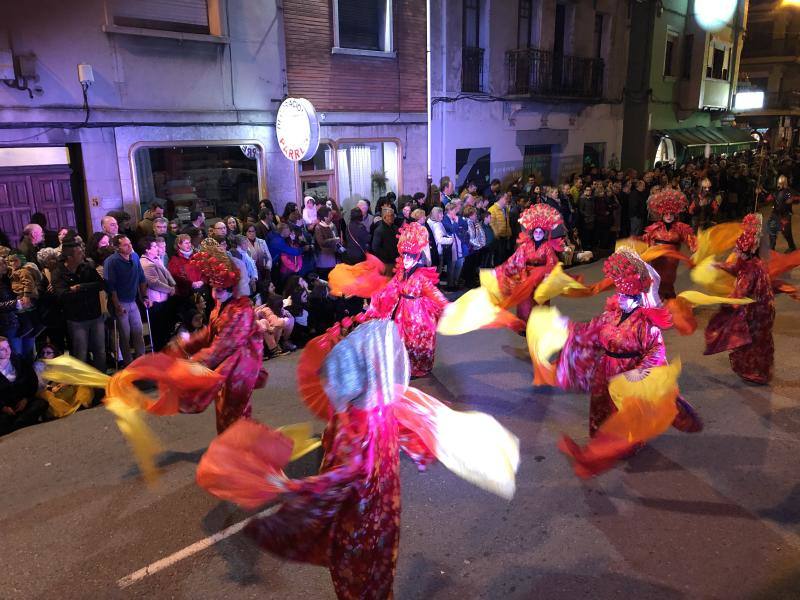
[217, 33]
[261, 161]
[387, 38]
[529, 29]
[334, 173]
[477, 9]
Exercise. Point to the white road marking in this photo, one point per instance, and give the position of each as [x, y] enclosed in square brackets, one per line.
[199, 546]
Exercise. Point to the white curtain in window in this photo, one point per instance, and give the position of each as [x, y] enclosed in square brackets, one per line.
[390, 166]
[360, 171]
[343, 175]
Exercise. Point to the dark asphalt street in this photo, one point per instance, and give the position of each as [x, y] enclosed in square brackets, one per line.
[711, 515]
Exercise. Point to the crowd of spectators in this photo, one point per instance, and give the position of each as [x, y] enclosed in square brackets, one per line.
[130, 287]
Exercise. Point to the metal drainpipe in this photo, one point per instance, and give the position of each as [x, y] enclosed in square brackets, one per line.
[735, 55]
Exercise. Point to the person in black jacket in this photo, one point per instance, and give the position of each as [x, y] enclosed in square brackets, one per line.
[356, 239]
[19, 405]
[384, 239]
[77, 285]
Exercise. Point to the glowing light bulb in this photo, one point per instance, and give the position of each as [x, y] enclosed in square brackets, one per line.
[713, 15]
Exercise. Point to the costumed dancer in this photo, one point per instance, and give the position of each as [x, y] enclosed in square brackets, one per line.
[231, 344]
[535, 257]
[668, 204]
[346, 518]
[625, 340]
[412, 300]
[746, 331]
[704, 206]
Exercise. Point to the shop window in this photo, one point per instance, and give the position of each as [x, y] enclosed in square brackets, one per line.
[363, 25]
[366, 170]
[321, 161]
[217, 180]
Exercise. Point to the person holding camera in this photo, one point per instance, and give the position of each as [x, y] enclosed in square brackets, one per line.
[329, 244]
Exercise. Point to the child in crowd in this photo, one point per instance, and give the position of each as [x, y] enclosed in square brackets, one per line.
[276, 324]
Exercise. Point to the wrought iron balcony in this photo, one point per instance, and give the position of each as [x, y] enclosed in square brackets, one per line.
[471, 69]
[535, 72]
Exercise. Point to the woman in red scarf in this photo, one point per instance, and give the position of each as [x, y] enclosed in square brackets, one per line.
[412, 300]
[668, 204]
[746, 331]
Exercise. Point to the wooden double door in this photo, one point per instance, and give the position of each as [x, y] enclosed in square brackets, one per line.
[24, 191]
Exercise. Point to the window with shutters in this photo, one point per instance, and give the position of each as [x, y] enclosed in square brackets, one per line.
[201, 17]
[362, 27]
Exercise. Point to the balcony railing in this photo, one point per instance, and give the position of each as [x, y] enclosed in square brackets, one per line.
[758, 46]
[471, 69]
[534, 72]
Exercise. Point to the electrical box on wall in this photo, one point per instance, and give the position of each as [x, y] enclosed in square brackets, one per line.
[7, 65]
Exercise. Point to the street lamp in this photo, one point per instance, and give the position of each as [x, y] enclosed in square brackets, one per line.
[713, 15]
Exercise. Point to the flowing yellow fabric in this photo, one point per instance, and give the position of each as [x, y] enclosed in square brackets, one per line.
[68, 369]
[645, 408]
[123, 400]
[546, 334]
[556, 283]
[473, 445]
[701, 299]
[716, 281]
[66, 399]
[302, 442]
[633, 243]
[716, 240]
[488, 280]
[475, 310]
[140, 437]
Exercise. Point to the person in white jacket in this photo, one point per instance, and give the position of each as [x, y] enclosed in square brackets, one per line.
[443, 241]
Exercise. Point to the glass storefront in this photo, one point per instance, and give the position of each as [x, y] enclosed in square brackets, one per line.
[214, 179]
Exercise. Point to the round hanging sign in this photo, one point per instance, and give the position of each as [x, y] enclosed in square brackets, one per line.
[297, 129]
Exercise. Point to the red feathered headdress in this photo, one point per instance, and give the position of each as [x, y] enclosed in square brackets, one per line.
[543, 216]
[750, 238]
[628, 272]
[215, 266]
[667, 202]
[413, 238]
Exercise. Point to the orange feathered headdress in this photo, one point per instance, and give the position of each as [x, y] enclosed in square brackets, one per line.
[215, 266]
[413, 238]
[750, 238]
[667, 202]
[541, 215]
[628, 272]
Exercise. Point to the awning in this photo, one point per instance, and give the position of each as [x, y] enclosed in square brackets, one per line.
[713, 136]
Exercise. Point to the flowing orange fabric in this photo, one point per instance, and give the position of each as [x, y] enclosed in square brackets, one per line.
[780, 263]
[244, 464]
[645, 409]
[475, 310]
[592, 290]
[309, 383]
[711, 278]
[716, 240]
[682, 315]
[362, 279]
[663, 250]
